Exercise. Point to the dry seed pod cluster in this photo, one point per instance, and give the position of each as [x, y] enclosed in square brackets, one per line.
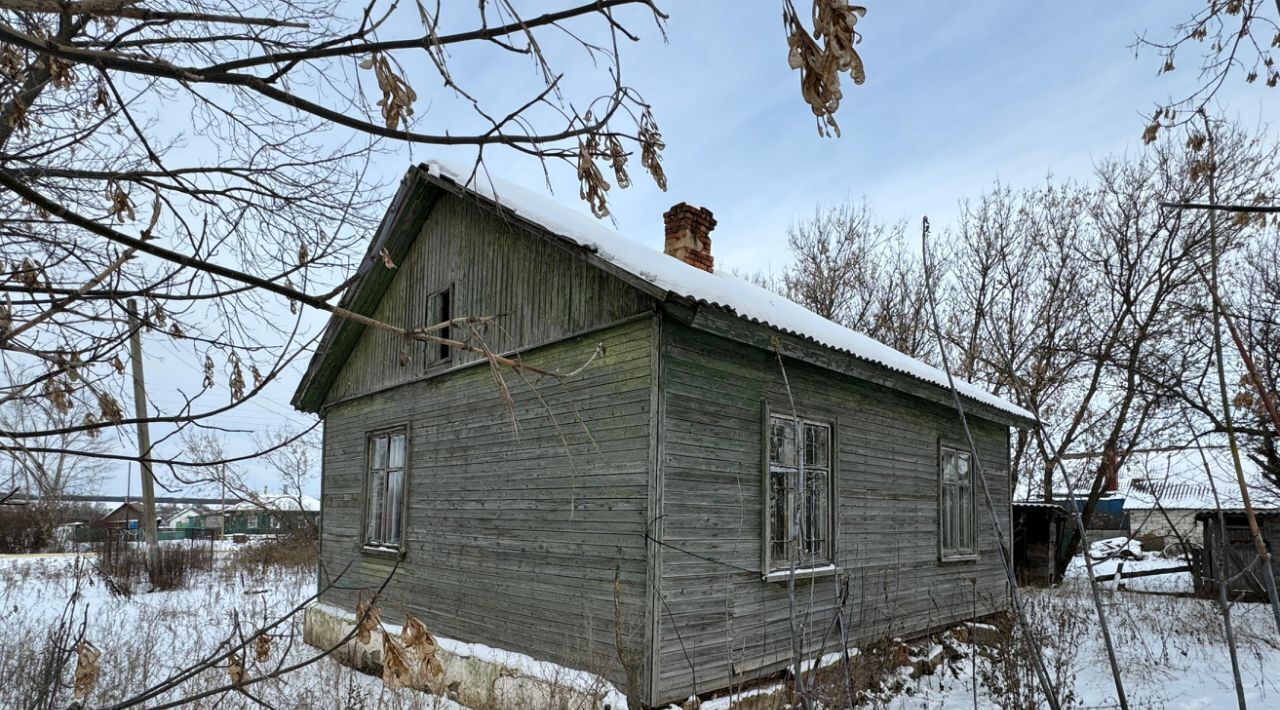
[395, 667]
[262, 648]
[87, 656]
[397, 96]
[235, 670]
[593, 183]
[415, 636]
[651, 147]
[367, 619]
[820, 65]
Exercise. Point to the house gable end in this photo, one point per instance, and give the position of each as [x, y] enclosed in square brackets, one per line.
[536, 289]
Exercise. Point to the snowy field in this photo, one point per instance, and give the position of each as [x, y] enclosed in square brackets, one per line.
[1171, 649]
[148, 637]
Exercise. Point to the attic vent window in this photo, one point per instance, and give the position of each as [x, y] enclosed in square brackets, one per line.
[440, 310]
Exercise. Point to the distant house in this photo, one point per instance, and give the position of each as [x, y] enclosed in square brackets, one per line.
[189, 517]
[125, 516]
[1169, 509]
[641, 518]
[1232, 546]
[1165, 493]
[267, 514]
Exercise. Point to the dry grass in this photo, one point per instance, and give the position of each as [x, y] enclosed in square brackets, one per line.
[292, 552]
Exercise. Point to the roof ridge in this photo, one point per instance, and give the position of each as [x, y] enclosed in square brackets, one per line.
[745, 299]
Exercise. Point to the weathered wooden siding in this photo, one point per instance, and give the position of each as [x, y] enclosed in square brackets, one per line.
[540, 290]
[1237, 553]
[513, 539]
[716, 613]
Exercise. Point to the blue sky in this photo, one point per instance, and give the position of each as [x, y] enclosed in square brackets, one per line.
[957, 96]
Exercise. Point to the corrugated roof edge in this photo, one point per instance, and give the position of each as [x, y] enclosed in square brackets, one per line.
[1038, 504]
[1258, 512]
[742, 298]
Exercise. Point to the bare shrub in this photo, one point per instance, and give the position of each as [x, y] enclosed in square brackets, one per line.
[1008, 674]
[170, 565]
[120, 566]
[25, 529]
[123, 562]
[294, 551]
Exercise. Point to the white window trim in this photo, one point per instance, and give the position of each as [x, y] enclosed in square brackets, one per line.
[828, 566]
[945, 555]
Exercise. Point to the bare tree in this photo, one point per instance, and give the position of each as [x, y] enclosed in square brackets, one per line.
[294, 457]
[1257, 291]
[1089, 310]
[213, 161]
[48, 467]
[853, 269]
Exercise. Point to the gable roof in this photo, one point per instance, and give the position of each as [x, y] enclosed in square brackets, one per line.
[1177, 480]
[657, 273]
[281, 502]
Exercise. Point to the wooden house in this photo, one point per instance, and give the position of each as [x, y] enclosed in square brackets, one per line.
[1230, 552]
[266, 514]
[126, 516]
[641, 516]
[188, 518]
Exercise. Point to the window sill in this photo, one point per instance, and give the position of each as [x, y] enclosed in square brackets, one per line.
[958, 559]
[390, 553]
[806, 573]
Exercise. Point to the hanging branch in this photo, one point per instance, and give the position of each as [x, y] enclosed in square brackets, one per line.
[1248, 209]
[797, 649]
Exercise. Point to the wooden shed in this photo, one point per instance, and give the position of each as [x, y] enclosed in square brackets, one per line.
[125, 516]
[1037, 532]
[1233, 547]
[640, 518]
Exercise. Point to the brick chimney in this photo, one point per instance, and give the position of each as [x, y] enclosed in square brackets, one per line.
[688, 235]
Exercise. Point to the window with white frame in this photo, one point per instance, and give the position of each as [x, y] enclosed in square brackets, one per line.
[799, 511]
[384, 489]
[957, 532]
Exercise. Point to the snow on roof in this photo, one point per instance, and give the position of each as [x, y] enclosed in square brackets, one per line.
[717, 289]
[1178, 481]
[277, 501]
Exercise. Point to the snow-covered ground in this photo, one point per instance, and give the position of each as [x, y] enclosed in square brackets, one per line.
[149, 636]
[1172, 650]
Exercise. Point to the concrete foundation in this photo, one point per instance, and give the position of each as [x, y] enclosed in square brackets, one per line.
[470, 680]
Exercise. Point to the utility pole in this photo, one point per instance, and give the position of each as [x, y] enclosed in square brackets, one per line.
[144, 432]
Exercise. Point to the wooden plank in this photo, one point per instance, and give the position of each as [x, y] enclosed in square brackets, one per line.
[715, 609]
[514, 541]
